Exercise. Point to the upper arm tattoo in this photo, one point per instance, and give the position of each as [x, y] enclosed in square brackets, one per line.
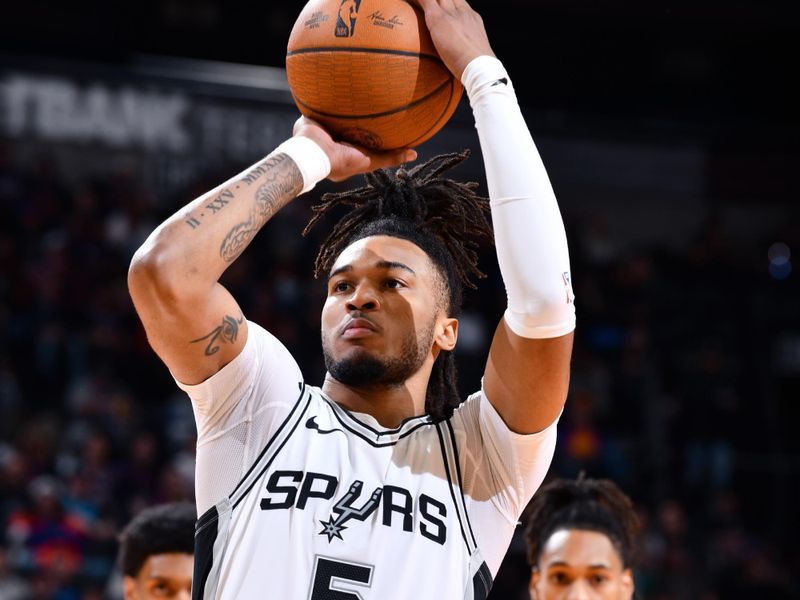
[283, 181]
[226, 333]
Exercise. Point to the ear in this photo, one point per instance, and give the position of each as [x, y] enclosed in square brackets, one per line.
[129, 588]
[446, 333]
[532, 583]
[627, 584]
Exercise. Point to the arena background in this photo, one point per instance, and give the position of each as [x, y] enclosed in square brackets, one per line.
[669, 130]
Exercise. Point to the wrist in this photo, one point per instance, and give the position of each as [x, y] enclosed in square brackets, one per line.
[483, 71]
[310, 159]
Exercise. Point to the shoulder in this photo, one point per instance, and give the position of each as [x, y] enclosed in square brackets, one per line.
[263, 369]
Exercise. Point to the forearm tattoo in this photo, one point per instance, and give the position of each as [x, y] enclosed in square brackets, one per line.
[223, 334]
[283, 181]
[217, 204]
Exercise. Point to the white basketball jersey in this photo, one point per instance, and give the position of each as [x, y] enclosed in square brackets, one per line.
[337, 508]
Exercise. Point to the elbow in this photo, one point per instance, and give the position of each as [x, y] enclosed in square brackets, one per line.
[543, 303]
[545, 318]
[144, 278]
[153, 277]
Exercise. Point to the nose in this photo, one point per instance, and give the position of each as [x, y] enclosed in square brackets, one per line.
[579, 590]
[364, 297]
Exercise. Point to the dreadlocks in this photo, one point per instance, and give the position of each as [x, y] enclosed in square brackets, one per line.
[591, 504]
[445, 218]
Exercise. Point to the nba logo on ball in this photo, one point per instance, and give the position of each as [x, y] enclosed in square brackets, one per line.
[346, 21]
[383, 87]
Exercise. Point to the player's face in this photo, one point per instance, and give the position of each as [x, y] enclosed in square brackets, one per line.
[162, 576]
[576, 564]
[384, 312]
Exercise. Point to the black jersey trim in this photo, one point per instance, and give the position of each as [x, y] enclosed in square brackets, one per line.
[204, 537]
[482, 582]
[372, 443]
[460, 481]
[352, 417]
[206, 519]
[267, 465]
[338, 411]
[445, 460]
[271, 440]
[452, 456]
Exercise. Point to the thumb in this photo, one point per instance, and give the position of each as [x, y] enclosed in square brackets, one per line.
[391, 158]
[357, 160]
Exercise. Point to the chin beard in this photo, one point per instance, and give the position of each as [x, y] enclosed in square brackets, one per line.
[365, 370]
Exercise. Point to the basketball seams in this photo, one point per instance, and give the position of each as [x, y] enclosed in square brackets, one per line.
[311, 50]
[366, 85]
[426, 116]
[387, 113]
[449, 109]
[380, 87]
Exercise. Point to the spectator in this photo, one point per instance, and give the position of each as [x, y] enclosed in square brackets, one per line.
[582, 538]
[156, 553]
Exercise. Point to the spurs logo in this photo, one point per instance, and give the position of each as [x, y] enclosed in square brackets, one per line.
[345, 511]
[286, 490]
[346, 20]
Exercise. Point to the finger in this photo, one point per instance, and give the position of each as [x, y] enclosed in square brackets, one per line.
[298, 124]
[304, 120]
[391, 158]
[357, 159]
[398, 155]
[429, 5]
[446, 5]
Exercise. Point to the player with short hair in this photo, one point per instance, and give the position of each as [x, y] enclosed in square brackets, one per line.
[383, 482]
[156, 552]
[581, 537]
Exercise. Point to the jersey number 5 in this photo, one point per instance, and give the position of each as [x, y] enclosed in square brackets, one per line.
[332, 578]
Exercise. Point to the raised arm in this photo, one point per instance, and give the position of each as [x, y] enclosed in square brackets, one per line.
[527, 373]
[192, 322]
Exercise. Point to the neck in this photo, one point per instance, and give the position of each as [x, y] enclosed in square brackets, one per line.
[390, 405]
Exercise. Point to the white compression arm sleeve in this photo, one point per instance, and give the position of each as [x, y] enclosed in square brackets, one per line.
[529, 233]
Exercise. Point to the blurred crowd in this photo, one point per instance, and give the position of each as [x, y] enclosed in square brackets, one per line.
[669, 396]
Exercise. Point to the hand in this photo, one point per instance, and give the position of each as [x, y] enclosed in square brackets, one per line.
[348, 160]
[457, 32]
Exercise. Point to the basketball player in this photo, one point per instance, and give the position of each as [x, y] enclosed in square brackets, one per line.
[155, 553]
[581, 538]
[383, 482]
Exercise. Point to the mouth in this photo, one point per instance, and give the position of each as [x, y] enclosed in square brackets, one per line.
[358, 328]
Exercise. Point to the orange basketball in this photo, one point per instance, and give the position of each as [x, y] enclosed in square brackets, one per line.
[368, 71]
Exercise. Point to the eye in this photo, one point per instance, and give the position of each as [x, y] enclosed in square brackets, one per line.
[598, 579]
[341, 286]
[161, 590]
[394, 284]
[559, 578]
